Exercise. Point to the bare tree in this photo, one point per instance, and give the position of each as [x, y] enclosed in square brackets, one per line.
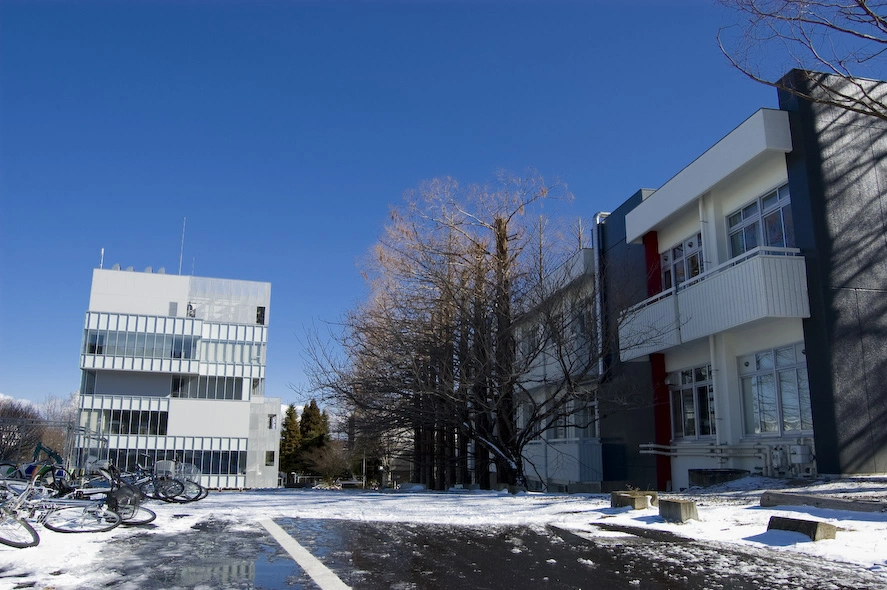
[445, 347]
[330, 461]
[21, 428]
[845, 39]
[60, 416]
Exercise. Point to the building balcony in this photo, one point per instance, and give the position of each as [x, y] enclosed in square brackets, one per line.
[139, 364]
[762, 283]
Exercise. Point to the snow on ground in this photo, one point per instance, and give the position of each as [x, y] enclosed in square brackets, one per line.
[729, 513]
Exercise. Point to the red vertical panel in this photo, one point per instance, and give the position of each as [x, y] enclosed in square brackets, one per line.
[661, 398]
[661, 417]
[654, 269]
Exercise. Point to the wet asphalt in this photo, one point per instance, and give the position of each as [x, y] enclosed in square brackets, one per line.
[370, 556]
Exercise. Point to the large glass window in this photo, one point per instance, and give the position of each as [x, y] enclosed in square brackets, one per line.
[124, 421]
[142, 345]
[202, 387]
[208, 462]
[682, 262]
[776, 392]
[692, 403]
[576, 419]
[765, 222]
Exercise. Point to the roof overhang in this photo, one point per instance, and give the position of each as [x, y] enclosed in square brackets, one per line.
[766, 131]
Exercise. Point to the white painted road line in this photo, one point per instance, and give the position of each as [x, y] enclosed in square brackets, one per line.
[320, 573]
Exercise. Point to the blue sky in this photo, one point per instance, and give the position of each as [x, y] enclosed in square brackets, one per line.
[284, 131]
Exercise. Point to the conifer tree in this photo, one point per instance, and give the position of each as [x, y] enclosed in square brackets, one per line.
[314, 427]
[290, 441]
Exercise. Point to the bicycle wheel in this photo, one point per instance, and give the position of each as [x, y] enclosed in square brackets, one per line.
[162, 489]
[191, 493]
[77, 519]
[16, 532]
[57, 478]
[141, 515]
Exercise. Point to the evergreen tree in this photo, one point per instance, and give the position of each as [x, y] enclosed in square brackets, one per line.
[290, 441]
[314, 427]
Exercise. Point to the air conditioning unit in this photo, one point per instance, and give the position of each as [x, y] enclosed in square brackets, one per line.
[800, 454]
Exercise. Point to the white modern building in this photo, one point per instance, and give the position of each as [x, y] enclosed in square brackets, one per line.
[725, 325]
[173, 367]
[559, 364]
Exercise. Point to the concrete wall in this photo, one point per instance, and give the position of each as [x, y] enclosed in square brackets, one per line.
[838, 181]
[141, 293]
[222, 418]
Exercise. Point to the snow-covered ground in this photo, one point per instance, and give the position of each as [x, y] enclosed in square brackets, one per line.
[729, 513]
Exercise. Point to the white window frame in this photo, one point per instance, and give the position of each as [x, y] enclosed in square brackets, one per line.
[765, 381]
[686, 405]
[682, 262]
[754, 224]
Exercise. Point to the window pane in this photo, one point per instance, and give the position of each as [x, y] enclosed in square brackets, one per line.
[734, 219]
[686, 376]
[737, 245]
[130, 343]
[763, 360]
[783, 192]
[791, 408]
[678, 251]
[711, 409]
[769, 201]
[773, 234]
[702, 401]
[701, 373]
[789, 224]
[751, 236]
[750, 211]
[750, 405]
[112, 344]
[140, 344]
[676, 413]
[785, 356]
[679, 273]
[689, 412]
[666, 279]
[693, 265]
[767, 402]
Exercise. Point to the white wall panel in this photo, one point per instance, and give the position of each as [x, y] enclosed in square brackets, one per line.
[208, 418]
[767, 131]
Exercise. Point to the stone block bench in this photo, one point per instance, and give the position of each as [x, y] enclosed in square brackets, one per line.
[814, 529]
[678, 510]
[636, 499]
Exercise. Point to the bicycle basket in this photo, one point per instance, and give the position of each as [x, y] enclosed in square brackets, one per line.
[165, 468]
[124, 500]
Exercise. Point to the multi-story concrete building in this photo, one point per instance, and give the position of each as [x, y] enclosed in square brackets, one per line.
[174, 367]
[744, 304]
[559, 366]
[765, 323]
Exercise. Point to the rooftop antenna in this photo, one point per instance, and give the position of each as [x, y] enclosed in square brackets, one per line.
[182, 250]
[102, 259]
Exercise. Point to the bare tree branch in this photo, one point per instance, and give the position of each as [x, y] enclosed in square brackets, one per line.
[844, 38]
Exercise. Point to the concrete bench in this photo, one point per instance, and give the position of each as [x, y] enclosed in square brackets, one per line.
[678, 510]
[637, 500]
[814, 529]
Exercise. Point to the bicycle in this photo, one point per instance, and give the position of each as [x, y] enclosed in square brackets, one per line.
[186, 474]
[57, 478]
[150, 484]
[64, 515]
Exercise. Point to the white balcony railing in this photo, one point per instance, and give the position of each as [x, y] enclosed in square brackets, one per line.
[762, 283]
